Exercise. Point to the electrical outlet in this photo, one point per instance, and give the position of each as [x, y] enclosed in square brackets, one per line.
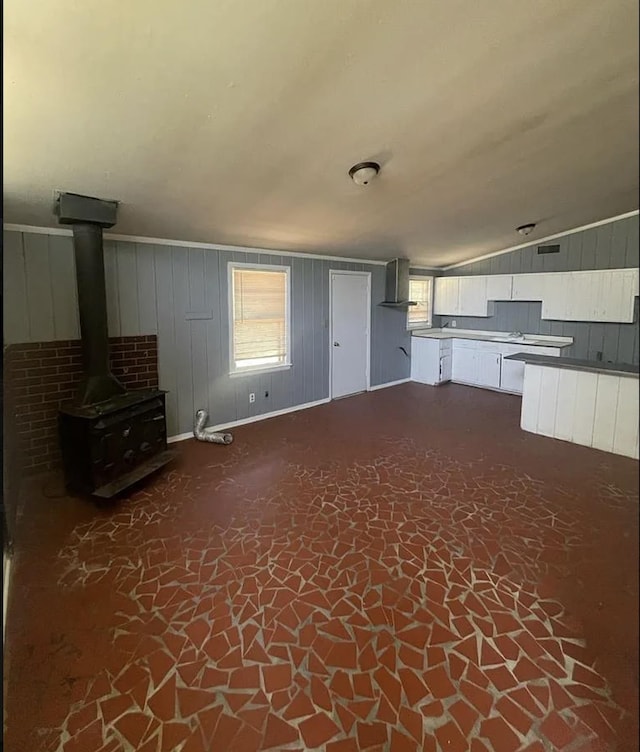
[252, 397]
[454, 324]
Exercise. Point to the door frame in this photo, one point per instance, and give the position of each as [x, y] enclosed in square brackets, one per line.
[367, 276]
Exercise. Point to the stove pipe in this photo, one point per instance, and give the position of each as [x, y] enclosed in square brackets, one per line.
[88, 216]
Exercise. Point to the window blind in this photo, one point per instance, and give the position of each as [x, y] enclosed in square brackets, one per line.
[420, 292]
[259, 318]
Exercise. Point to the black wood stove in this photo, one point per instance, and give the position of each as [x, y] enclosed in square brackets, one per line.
[110, 437]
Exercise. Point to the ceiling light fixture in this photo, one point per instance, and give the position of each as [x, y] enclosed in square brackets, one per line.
[364, 172]
[526, 229]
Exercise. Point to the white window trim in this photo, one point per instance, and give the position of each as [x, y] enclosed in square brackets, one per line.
[422, 324]
[250, 371]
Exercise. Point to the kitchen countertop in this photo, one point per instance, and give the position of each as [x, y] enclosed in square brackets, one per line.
[533, 340]
[574, 364]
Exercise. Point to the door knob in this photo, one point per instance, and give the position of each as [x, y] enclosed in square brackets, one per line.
[336, 344]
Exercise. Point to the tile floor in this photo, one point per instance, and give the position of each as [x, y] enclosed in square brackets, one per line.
[402, 570]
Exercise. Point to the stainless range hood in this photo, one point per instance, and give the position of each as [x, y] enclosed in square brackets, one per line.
[397, 285]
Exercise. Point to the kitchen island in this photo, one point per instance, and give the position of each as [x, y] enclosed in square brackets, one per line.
[586, 402]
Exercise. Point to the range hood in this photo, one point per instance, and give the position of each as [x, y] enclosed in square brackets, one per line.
[397, 285]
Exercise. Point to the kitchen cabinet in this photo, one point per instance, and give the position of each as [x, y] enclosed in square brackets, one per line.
[464, 365]
[477, 363]
[613, 294]
[512, 376]
[472, 296]
[469, 296]
[474, 362]
[430, 360]
[605, 295]
[446, 361]
[445, 296]
[488, 366]
[499, 286]
[528, 287]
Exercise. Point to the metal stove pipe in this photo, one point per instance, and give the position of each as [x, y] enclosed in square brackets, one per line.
[206, 434]
[87, 217]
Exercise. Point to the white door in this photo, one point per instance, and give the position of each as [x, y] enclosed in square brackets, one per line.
[350, 314]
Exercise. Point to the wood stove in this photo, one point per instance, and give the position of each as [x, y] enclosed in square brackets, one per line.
[110, 437]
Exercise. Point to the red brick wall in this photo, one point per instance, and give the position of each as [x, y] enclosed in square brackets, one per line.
[41, 376]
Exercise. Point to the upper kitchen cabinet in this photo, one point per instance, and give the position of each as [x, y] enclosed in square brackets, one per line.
[601, 296]
[605, 295]
[468, 296]
[499, 286]
[472, 296]
[528, 286]
[446, 295]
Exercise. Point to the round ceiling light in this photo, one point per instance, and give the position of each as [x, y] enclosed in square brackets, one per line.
[526, 229]
[364, 172]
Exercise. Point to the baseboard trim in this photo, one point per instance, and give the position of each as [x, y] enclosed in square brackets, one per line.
[389, 383]
[252, 419]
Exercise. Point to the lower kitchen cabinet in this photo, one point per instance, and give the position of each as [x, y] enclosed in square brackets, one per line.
[464, 365]
[473, 362]
[512, 376]
[430, 360]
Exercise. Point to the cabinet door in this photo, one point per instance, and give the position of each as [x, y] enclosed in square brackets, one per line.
[472, 296]
[445, 296]
[445, 368]
[512, 376]
[615, 303]
[425, 360]
[499, 286]
[527, 287]
[583, 296]
[556, 289]
[463, 367]
[629, 289]
[488, 369]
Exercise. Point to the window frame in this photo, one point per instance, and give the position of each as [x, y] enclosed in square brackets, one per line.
[422, 324]
[250, 370]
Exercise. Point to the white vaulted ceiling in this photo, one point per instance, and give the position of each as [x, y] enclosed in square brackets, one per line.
[235, 122]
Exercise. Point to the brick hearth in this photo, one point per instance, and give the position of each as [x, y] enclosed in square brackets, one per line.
[41, 376]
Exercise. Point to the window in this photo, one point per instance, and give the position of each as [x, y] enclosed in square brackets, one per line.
[420, 291]
[258, 317]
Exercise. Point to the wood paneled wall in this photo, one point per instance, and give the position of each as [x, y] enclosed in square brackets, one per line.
[154, 289]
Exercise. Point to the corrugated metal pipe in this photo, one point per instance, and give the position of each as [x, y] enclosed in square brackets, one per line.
[206, 434]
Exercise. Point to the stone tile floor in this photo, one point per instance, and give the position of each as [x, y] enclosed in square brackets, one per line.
[402, 570]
